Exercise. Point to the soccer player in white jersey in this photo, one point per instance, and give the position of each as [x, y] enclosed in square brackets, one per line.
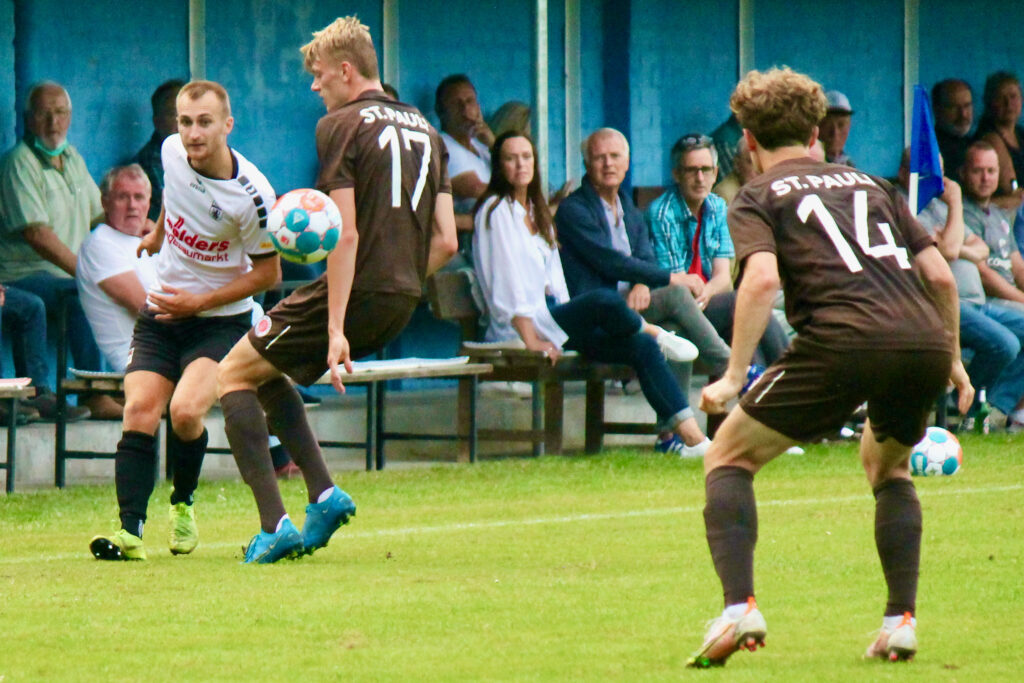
[214, 254]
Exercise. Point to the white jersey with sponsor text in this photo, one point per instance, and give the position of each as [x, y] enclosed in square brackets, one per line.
[211, 225]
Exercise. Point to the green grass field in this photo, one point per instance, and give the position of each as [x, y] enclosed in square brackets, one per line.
[561, 568]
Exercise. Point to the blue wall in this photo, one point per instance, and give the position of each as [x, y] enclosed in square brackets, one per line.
[275, 111]
[7, 87]
[867, 65]
[108, 60]
[683, 66]
[494, 48]
[654, 68]
[981, 47]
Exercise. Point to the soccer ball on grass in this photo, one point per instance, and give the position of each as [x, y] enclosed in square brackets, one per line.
[938, 453]
[304, 225]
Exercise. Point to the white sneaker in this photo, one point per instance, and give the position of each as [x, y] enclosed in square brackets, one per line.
[725, 636]
[510, 389]
[695, 451]
[675, 347]
[900, 644]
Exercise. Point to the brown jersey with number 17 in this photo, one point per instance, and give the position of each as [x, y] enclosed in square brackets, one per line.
[397, 164]
[845, 243]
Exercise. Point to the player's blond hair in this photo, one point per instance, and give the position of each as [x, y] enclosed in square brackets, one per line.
[196, 89]
[780, 107]
[346, 39]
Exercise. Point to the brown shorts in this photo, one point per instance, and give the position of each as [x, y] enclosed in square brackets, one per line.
[293, 335]
[812, 390]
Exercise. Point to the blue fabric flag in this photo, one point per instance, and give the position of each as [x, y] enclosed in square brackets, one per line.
[925, 164]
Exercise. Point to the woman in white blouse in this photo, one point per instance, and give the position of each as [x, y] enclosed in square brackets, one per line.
[515, 253]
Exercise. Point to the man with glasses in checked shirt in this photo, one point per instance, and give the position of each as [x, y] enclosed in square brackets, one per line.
[690, 236]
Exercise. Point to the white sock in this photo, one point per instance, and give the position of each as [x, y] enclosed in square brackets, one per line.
[890, 624]
[1018, 415]
[735, 611]
[280, 522]
[326, 494]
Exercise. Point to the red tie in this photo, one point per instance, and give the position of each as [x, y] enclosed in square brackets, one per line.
[695, 265]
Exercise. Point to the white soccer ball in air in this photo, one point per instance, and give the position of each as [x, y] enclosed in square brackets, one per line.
[938, 453]
[304, 225]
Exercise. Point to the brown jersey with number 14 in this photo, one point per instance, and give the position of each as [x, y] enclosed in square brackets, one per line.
[397, 164]
[845, 243]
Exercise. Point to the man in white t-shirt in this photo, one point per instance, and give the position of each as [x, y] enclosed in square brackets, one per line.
[468, 139]
[112, 278]
[214, 254]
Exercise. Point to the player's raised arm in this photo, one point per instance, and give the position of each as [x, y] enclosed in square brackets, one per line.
[443, 240]
[341, 269]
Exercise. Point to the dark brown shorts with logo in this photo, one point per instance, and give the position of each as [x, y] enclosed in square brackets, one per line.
[167, 347]
[293, 335]
[811, 391]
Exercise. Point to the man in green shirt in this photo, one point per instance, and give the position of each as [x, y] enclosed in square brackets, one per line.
[48, 200]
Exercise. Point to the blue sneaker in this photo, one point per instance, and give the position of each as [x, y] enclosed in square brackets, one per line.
[265, 548]
[670, 444]
[323, 519]
[754, 373]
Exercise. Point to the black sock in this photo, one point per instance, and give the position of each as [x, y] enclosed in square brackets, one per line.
[898, 539]
[730, 517]
[286, 416]
[246, 428]
[134, 478]
[188, 463]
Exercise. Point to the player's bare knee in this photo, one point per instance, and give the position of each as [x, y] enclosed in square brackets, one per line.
[142, 415]
[187, 416]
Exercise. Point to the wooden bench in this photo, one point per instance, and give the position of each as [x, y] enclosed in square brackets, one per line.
[12, 392]
[374, 374]
[450, 297]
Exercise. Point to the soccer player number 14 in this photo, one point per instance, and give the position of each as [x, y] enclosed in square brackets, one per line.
[812, 204]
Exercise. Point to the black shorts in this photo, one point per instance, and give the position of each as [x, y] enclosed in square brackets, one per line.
[293, 335]
[166, 347]
[812, 390]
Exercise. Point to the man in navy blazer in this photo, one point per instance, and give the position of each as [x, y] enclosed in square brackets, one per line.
[605, 243]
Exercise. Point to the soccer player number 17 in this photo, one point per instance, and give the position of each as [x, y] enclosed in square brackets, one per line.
[389, 138]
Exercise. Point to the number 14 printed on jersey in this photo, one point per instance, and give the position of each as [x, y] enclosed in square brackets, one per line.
[812, 204]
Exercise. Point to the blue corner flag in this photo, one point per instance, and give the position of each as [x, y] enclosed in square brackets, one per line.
[925, 165]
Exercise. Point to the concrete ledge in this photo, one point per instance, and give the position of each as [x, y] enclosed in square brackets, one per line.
[340, 418]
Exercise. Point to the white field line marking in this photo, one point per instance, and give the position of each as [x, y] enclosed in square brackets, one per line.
[565, 519]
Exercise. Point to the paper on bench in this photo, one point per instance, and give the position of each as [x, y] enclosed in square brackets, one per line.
[94, 374]
[15, 382]
[507, 344]
[404, 364]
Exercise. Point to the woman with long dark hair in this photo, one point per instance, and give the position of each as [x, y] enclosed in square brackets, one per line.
[515, 252]
[999, 127]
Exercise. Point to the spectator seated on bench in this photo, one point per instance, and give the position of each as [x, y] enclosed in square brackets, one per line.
[517, 261]
[47, 202]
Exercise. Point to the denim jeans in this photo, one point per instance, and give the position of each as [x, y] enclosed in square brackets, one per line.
[675, 308]
[48, 287]
[720, 311]
[24, 322]
[995, 334]
[602, 327]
